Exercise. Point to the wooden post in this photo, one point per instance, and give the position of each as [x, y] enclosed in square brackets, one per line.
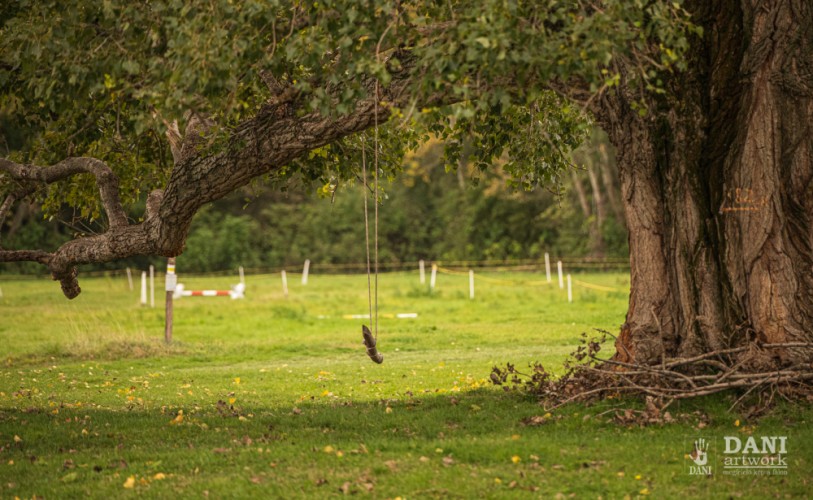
[171, 282]
[152, 285]
[284, 283]
[421, 268]
[143, 288]
[130, 279]
[305, 270]
[547, 266]
[569, 290]
[561, 282]
[242, 275]
[433, 277]
[471, 284]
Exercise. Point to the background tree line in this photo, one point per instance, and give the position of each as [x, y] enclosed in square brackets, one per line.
[431, 211]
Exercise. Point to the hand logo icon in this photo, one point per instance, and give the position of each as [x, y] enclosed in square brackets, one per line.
[699, 455]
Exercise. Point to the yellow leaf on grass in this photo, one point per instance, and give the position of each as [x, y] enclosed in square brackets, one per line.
[130, 482]
[237, 380]
[232, 400]
[328, 449]
[178, 419]
[736, 423]
[18, 439]
[516, 459]
[159, 476]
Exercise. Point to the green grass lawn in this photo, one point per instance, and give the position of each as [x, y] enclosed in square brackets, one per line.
[275, 397]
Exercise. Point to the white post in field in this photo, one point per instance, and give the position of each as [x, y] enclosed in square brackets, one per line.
[143, 288]
[284, 283]
[547, 266]
[433, 277]
[561, 283]
[569, 290]
[305, 270]
[242, 275]
[152, 286]
[471, 284]
[130, 279]
[1, 293]
[422, 271]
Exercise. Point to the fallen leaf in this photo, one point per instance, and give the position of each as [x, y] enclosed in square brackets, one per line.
[159, 476]
[392, 465]
[516, 459]
[222, 450]
[69, 478]
[448, 460]
[129, 483]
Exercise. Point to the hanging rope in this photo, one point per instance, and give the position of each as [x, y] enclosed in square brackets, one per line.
[370, 340]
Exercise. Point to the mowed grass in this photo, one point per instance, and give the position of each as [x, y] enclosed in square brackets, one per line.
[274, 396]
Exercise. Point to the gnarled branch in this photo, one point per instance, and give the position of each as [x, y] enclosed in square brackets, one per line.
[107, 181]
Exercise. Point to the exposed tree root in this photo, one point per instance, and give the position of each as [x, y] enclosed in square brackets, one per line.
[589, 378]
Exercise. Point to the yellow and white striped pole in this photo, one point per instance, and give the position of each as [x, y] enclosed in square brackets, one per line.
[171, 283]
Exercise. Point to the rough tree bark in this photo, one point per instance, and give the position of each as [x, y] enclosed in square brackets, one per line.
[718, 189]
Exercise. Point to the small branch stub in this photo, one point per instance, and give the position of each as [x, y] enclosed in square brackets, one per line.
[369, 343]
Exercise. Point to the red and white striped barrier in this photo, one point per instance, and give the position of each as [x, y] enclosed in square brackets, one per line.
[236, 292]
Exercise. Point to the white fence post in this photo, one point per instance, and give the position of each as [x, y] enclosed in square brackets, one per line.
[547, 266]
[561, 283]
[143, 288]
[152, 286]
[422, 270]
[471, 284]
[433, 278]
[130, 279]
[305, 270]
[242, 275]
[284, 283]
[569, 290]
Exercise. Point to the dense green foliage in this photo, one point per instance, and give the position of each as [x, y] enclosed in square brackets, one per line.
[100, 78]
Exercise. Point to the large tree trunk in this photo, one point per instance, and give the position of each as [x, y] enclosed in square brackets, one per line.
[718, 189]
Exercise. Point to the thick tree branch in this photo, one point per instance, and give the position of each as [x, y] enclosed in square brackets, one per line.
[262, 145]
[105, 178]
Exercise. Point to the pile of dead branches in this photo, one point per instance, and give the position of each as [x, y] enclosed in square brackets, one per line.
[588, 377]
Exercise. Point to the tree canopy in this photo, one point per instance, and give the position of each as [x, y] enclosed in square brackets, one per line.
[107, 79]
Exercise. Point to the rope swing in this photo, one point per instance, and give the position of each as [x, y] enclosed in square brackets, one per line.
[370, 339]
